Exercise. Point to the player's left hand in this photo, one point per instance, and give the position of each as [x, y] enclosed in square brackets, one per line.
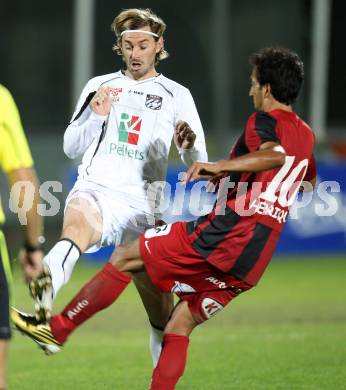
[184, 137]
[203, 170]
[31, 262]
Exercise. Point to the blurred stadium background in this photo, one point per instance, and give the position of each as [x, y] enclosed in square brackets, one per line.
[50, 49]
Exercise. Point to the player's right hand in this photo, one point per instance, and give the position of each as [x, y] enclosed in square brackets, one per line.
[32, 263]
[101, 102]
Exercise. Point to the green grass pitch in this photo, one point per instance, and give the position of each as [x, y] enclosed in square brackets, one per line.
[287, 333]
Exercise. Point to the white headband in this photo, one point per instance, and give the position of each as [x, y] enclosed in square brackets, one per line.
[140, 31]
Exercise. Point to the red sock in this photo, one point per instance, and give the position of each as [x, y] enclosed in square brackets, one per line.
[102, 290]
[172, 362]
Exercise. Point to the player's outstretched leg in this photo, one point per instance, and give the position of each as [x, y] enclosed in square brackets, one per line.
[82, 228]
[172, 362]
[102, 290]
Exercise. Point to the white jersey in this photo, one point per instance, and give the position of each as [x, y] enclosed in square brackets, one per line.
[126, 151]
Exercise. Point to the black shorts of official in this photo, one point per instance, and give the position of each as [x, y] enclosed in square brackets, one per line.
[5, 278]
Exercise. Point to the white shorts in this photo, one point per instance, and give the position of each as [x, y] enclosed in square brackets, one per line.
[121, 221]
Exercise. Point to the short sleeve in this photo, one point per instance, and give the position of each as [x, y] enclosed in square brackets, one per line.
[260, 128]
[311, 172]
[14, 148]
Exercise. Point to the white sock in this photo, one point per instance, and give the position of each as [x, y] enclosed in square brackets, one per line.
[61, 260]
[156, 337]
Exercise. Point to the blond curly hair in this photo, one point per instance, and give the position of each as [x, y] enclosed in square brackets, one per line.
[134, 19]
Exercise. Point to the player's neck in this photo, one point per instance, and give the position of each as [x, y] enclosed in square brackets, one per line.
[272, 104]
[150, 74]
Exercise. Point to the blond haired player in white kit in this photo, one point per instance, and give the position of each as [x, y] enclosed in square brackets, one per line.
[123, 126]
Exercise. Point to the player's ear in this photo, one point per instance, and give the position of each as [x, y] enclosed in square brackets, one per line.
[267, 90]
[120, 46]
[159, 45]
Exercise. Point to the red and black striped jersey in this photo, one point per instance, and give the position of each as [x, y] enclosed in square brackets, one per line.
[266, 196]
[250, 206]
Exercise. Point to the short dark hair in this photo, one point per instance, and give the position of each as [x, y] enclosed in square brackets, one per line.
[282, 69]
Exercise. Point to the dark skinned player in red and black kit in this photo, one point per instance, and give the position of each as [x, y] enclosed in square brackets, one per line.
[210, 261]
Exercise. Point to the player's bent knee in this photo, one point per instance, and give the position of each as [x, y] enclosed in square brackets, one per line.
[126, 251]
[120, 265]
[125, 260]
[119, 255]
[81, 236]
[70, 229]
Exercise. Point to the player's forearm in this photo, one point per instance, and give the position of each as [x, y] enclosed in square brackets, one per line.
[79, 136]
[34, 227]
[259, 161]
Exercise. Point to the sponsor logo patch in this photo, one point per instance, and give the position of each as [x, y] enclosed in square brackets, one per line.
[77, 309]
[129, 128]
[216, 282]
[125, 151]
[136, 92]
[210, 307]
[153, 102]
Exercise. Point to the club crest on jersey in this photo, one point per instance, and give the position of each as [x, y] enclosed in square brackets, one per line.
[162, 230]
[153, 102]
[114, 94]
[210, 307]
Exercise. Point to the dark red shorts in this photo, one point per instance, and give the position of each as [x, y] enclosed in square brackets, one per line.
[174, 266]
